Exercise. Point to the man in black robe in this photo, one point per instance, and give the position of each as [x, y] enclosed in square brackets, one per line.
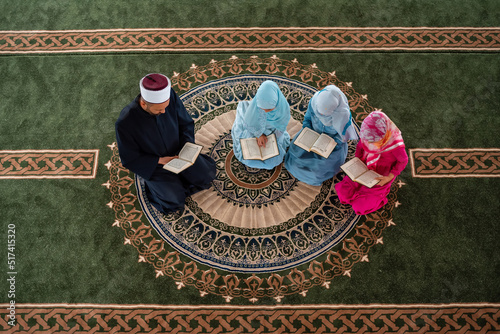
[150, 132]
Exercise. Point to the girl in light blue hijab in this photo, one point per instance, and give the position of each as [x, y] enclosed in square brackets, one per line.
[328, 112]
[268, 112]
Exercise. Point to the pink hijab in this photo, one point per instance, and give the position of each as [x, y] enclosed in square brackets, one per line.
[379, 134]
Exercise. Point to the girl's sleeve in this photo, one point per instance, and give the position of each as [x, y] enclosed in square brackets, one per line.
[307, 118]
[401, 160]
[359, 150]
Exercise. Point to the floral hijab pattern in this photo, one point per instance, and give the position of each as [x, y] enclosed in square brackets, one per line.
[379, 134]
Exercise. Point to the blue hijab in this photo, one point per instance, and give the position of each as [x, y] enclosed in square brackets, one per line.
[268, 96]
[331, 107]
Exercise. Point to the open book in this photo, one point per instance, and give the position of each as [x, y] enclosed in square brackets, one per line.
[358, 172]
[252, 151]
[310, 140]
[187, 157]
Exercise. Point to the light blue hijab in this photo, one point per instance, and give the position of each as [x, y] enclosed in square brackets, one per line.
[331, 107]
[268, 96]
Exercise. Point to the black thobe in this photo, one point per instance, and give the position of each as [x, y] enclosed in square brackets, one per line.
[143, 138]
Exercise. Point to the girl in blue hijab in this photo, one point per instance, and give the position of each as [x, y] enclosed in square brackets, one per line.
[268, 112]
[328, 112]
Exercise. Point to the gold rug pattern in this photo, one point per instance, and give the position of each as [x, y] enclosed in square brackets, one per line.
[252, 39]
[459, 162]
[300, 319]
[48, 164]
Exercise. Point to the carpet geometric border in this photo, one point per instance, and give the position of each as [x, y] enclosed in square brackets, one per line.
[367, 319]
[452, 163]
[252, 39]
[48, 164]
[185, 272]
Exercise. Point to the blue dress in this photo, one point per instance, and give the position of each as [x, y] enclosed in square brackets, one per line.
[252, 121]
[241, 130]
[309, 167]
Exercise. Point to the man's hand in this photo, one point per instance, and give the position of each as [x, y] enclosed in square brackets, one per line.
[385, 179]
[166, 160]
[262, 141]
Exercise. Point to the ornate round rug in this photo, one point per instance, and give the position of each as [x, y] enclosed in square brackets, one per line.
[250, 220]
[254, 233]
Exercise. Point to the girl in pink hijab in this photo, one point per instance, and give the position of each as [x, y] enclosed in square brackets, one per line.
[382, 149]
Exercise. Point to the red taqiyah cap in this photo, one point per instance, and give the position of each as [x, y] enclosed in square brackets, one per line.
[155, 88]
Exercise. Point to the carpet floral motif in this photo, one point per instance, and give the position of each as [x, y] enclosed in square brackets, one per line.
[262, 251]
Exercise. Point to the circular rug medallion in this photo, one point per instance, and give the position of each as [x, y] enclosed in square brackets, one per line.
[254, 234]
[251, 220]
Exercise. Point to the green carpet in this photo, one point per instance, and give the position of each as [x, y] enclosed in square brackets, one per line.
[442, 250]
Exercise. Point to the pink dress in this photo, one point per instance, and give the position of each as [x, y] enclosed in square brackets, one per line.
[363, 199]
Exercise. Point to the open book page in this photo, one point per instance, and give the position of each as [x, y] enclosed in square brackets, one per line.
[271, 148]
[354, 167]
[190, 152]
[187, 157]
[324, 145]
[177, 165]
[250, 149]
[306, 139]
[368, 178]
[358, 172]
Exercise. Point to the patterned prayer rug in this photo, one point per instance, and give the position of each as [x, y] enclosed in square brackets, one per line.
[273, 289]
[254, 233]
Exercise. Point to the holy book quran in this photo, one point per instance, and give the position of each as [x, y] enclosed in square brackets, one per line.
[311, 141]
[252, 151]
[358, 172]
[187, 157]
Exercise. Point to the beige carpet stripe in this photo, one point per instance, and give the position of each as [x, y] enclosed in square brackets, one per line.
[251, 39]
[454, 163]
[48, 164]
